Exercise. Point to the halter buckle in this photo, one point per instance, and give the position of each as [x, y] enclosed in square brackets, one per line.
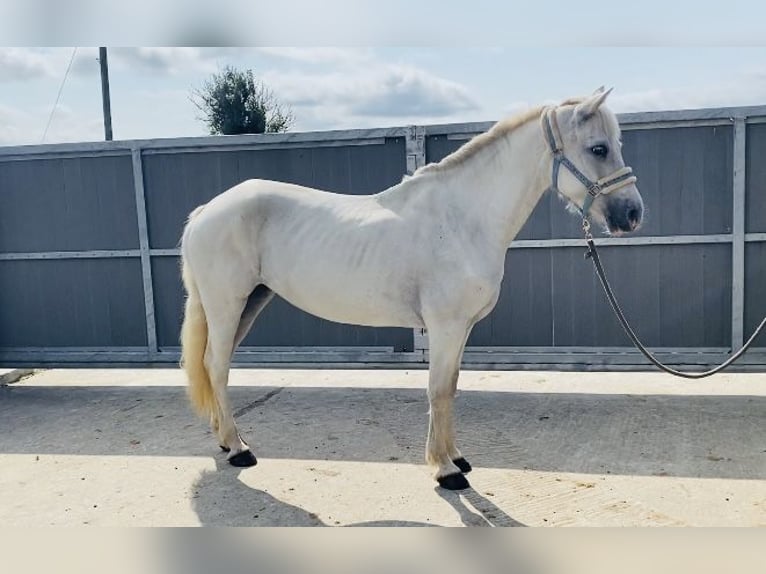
[594, 189]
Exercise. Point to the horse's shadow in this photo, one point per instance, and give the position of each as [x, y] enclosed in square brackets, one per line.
[484, 512]
[220, 498]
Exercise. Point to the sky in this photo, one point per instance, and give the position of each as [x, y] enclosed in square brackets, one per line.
[358, 87]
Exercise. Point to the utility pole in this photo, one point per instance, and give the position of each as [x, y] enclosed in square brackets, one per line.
[105, 94]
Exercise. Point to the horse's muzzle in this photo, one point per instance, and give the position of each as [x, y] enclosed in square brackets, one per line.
[624, 215]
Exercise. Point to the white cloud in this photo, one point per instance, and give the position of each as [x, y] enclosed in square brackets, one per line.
[70, 126]
[23, 64]
[24, 127]
[322, 55]
[749, 89]
[400, 90]
[171, 60]
[85, 62]
[11, 121]
[373, 92]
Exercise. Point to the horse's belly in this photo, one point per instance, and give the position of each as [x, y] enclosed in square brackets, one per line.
[344, 306]
[372, 313]
[343, 260]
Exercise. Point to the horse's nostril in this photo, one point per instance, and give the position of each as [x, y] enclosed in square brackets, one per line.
[634, 215]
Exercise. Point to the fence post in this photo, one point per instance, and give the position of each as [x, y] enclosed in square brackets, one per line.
[738, 235]
[415, 148]
[143, 241]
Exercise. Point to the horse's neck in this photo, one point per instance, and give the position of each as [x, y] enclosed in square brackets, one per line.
[500, 186]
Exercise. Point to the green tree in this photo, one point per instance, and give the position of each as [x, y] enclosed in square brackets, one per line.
[234, 102]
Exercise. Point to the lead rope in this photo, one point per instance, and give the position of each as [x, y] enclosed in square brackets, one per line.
[593, 254]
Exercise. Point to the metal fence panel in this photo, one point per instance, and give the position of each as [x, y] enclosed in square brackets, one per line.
[684, 178]
[72, 303]
[674, 295]
[755, 289]
[67, 204]
[756, 179]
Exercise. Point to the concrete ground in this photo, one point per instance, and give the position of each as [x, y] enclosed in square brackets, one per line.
[122, 448]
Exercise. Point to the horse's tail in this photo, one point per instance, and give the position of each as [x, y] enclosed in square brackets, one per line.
[194, 339]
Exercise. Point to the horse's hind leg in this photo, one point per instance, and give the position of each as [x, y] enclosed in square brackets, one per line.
[256, 302]
[223, 318]
[446, 352]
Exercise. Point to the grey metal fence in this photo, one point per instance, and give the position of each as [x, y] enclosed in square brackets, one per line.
[89, 257]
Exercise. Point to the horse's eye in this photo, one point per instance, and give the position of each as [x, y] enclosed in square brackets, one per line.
[599, 150]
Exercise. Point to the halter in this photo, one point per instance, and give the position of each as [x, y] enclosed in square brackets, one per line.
[612, 182]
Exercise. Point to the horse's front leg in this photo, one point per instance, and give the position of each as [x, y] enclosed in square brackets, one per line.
[446, 346]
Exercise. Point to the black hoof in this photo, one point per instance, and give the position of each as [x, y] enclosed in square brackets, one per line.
[224, 448]
[453, 482]
[243, 459]
[464, 466]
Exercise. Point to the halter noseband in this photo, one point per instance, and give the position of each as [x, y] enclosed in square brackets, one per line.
[612, 182]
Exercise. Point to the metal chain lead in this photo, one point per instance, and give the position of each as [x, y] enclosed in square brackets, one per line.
[586, 228]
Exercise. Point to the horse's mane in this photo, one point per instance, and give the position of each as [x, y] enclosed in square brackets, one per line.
[481, 141]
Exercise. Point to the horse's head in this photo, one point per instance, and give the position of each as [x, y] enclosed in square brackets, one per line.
[584, 137]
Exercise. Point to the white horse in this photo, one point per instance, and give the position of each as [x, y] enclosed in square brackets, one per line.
[428, 252]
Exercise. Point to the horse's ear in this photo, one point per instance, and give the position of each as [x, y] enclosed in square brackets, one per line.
[588, 107]
[599, 90]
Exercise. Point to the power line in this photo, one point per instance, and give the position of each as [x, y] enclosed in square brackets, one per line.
[58, 97]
